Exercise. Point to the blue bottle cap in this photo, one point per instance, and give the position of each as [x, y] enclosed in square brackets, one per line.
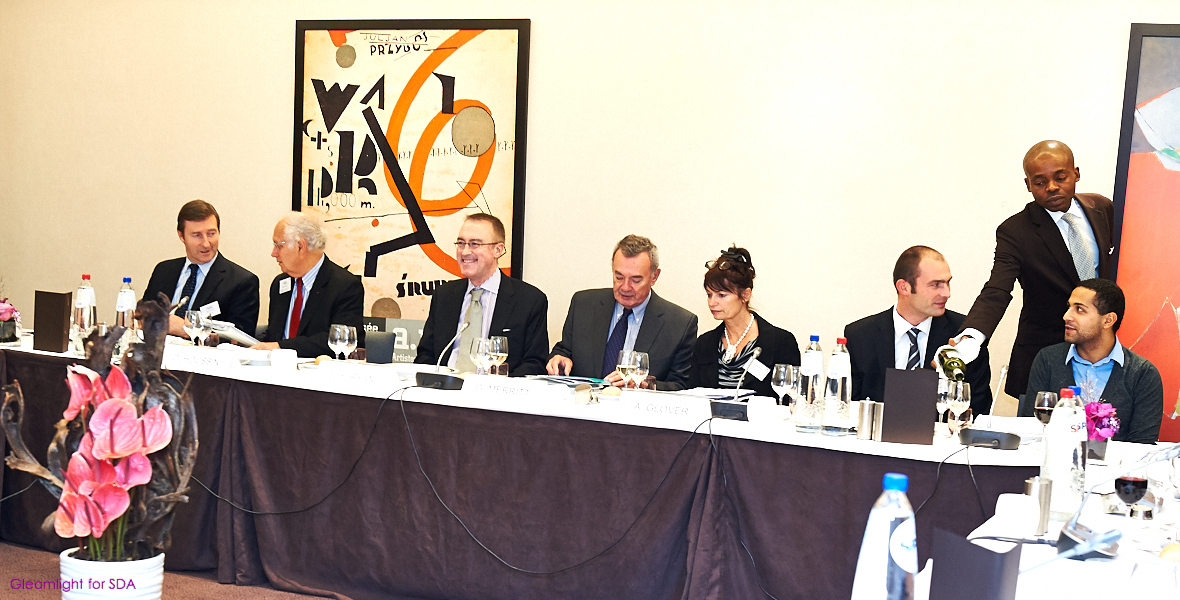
[126, 280]
[815, 338]
[1077, 391]
[895, 481]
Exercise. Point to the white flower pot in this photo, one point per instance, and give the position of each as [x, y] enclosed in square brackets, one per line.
[88, 579]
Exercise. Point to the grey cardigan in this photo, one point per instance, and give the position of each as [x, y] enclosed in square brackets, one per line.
[1135, 390]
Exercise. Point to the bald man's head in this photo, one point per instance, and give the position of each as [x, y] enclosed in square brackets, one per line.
[1050, 175]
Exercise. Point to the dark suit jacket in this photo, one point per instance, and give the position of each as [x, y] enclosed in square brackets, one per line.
[520, 315]
[870, 346]
[666, 335]
[1029, 249]
[778, 347]
[233, 288]
[336, 297]
[1135, 391]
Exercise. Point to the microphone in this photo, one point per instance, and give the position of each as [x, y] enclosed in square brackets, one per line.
[999, 388]
[450, 345]
[437, 379]
[745, 369]
[1100, 545]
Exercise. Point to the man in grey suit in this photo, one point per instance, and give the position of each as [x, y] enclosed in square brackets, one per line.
[629, 316]
[1092, 357]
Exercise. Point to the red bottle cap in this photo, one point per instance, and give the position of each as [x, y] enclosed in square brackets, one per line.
[841, 340]
[86, 276]
[1065, 393]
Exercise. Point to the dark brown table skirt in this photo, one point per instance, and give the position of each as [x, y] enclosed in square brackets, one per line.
[544, 494]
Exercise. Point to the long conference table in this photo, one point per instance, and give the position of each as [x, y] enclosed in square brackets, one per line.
[571, 501]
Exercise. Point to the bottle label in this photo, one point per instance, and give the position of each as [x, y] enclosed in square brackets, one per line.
[125, 301]
[903, 546]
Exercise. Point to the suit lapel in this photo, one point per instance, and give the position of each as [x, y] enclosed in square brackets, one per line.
[649, 330]
[885, 342]
[1102, 235]
[601, 328]
[503, 301]
[313, 299]
[1049, 233]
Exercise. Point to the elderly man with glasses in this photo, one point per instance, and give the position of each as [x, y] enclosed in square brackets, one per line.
[312, 293]
[490, 304]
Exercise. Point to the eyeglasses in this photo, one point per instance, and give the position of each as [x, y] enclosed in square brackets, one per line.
[278, 245]
[726, 264]
[474, 246]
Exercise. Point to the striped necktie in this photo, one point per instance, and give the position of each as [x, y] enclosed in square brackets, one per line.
[912, 363]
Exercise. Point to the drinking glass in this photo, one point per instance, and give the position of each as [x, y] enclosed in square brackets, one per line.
[626, 365]
[1043, 407]
[642, 367]
[481, 354]
[1132, 486]
[338, 339]
[352, 342]
[192, 325]
[498, 346]
[781, 378]
[944, 390]
[958, 401]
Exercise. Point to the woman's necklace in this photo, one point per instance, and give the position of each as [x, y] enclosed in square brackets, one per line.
[731, 349]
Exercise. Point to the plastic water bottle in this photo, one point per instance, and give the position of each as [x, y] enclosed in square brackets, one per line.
[838, 393]
[1065, 455]
[889, 551]
[125, 317]
[811, 368]
[85, 315]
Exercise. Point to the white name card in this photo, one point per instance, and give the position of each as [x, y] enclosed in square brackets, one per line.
[198, 359]
[382, 376]
[513, 388]
[663, 407]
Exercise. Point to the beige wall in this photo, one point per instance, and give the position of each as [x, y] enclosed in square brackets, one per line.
[826, 137]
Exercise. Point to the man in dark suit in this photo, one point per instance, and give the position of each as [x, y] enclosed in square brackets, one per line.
[506, 307]
[313, 292]
[907, 335]
[592, 337]
[1058, 240]
[205, 279]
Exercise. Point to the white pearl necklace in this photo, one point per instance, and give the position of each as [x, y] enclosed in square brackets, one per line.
[731, 349]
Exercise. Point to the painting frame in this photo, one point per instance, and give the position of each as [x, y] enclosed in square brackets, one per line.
[312, 181]
[1147, 175]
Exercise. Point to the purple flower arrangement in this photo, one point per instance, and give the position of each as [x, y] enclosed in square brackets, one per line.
[1101, 422]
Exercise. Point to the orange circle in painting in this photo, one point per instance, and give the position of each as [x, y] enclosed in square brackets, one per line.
[375, 222]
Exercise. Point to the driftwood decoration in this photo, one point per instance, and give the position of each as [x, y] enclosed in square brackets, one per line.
[150, 513]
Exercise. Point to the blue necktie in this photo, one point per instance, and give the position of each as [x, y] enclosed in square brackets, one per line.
[190, 286]
[618, 337]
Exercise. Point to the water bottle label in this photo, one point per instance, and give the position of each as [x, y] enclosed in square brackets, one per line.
[903, 545]
[839, 365]
[125, 301]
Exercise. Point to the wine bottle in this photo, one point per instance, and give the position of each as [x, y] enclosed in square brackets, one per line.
[952, 364]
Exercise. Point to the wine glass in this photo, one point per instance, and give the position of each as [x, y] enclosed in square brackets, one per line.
[641, 368]
[626, 365]
[958, 401]
[192, 325]
[481, 354]
[499, 351]
[1132, 486]
[1043, 407]
[351, 342]
[780, 380]
[338, 339]
[940, 403]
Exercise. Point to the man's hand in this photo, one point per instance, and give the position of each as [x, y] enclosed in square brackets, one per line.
[176, 327]
[265, 346]
[615, 379]
[559, 365]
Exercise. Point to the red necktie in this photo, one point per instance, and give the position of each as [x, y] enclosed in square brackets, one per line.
[296, 309]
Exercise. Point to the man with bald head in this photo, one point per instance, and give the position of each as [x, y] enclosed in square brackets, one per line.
[1058, 240]
[312, 293]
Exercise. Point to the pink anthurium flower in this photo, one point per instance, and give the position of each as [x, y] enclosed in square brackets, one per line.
[118, 432]
[88, 389]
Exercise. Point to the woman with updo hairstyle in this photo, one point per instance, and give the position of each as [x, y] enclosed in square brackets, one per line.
[719, 356]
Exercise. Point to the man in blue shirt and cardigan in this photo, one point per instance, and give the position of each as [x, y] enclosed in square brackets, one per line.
[1092, 357]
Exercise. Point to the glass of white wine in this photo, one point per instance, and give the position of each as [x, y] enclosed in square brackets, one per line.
[192, 325]
[499, 351]
[958, 401]
[626, 366]
[780, 380]
[338, 339]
